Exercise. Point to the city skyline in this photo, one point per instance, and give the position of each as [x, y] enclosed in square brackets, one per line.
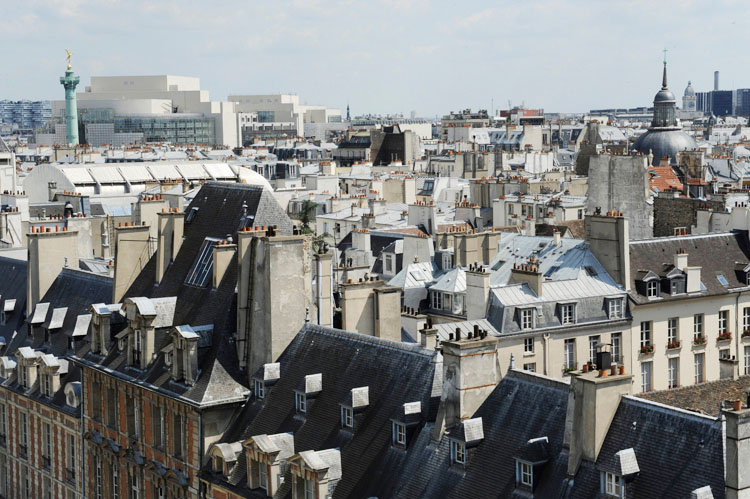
[382, 57]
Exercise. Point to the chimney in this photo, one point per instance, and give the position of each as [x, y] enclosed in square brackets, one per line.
[147, 210]
[681, 259]
[360, 307]
[428, 336]
[131, 256]
[529, 227]
[223, 254]
[477, 292]
[737, 448]
[324, 288]
[556, 237]
[419, 247]
[361, 239]
[387, 313]
[274, 294]
[608, 239]
[592, 404]
[527, 273]
[693, 283]
[48, 253]
[470, 373]
[171, 227]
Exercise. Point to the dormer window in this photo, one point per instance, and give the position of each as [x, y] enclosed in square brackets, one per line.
[23, 376]
[652, 289]
[458, 452]
[613, 485]
[218, 464]
[615, 308]
[347, 417]
[524, 473]
[527, 318]
[259, 389]
[301, 402]
[399, 434]
[567, 313]
[47, 385]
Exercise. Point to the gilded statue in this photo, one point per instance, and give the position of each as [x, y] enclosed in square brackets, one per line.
[68, 57]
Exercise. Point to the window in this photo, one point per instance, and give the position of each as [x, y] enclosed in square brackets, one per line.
[698, 326]
[510, 209]
[136, 347]
[347, 417]
[23, 441]
[523, 210]
[524, 473]
[722, 280]
[135, 487]
[531, 367]
[4, 474]
[157, 426]
[96, 399]
[263, 475]
[646, 376]
[645, 333]
[203, 264]
[652, 289]
[528, 345]
[22, 376]
[746, 319]
[112, 408]
[723, 353]
[458, 452]
[617, 347]
[133, 417]
[567, 313]
[24, 481]
[527, 318]
[399, 434]
[115, 481]
[389, 263]
[570, 353]
[612, 486]
[723, 321]
[46, 445]
[301, 402]
[71, 459]
[46, 384]
[615, 308]
[98, 477]
[158, 491]
[580, 214]
[672, 328]
[747, 360]
[673, 373]
[437, 300]
[698, 367]
[260, 389]
[310, 489]
[3, 424]
[177, 434]
[593, 342]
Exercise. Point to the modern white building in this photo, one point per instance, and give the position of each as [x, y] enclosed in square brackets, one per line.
[163, 108]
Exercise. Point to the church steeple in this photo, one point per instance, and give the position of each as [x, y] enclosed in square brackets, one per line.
[665, 106]
[664, 77]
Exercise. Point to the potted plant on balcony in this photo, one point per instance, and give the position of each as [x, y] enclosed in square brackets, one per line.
[647, 349]
[746, 333]
[699, 340]
[725, 336]
[673, 344]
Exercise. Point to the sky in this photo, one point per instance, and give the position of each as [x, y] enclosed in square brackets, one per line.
[385, 56]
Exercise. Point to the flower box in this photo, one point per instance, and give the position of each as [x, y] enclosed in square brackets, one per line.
[724, 336]
[746, 333]
[647, 349]
[672, 345]
[700, 340]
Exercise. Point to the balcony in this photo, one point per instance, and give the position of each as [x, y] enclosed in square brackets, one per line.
[23, 451]
[46, 463]
[3, 441]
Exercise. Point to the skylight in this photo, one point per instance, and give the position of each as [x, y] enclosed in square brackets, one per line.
[722, 280]
[203, 265]
[591, 271]
[551, 271]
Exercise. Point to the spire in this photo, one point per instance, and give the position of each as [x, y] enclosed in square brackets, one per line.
[664, 77]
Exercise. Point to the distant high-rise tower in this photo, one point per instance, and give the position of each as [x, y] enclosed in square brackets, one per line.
[70, 82]
[348, 116]
[716, 80]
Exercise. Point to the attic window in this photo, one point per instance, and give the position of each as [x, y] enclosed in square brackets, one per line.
[260, 389]
[301, 402]
[399, 434]
[347, 417]
[652, 289]
[524, 473]
[591, 271]
[203, 265]
[192, 214]
[612, 485]
[458, 452]
[722, 280]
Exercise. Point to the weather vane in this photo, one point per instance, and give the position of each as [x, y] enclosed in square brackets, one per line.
[68, 57]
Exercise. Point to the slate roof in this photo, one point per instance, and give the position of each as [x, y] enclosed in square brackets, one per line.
[522, 407]
[395, 373]
[677, 452]
[13, 287]
[704, 398]
[224, 209]
[656, 254]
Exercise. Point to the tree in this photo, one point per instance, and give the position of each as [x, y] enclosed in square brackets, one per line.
[307, 214]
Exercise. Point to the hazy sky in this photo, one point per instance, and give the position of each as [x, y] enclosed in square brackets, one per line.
[385, 56]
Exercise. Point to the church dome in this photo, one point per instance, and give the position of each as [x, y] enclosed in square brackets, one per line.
[664, 143]
[689, 92]
[664, 95]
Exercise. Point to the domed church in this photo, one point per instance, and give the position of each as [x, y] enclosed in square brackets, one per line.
[664, 137]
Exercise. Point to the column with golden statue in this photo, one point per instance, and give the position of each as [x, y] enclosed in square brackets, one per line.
[70, 82]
